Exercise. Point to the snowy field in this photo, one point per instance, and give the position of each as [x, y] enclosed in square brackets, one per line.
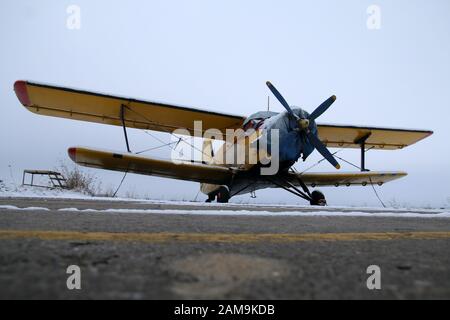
[240, 212]
[201, 208]
[12, 190]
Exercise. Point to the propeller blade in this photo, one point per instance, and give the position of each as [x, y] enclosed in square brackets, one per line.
[280, 98]
[323, 150]
[322, 108]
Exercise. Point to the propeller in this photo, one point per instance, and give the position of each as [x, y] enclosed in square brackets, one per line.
[322, 108]
[305, 124]
[280, 98]
[322, 149]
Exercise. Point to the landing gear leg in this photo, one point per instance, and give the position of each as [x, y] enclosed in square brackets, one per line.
[315, 198]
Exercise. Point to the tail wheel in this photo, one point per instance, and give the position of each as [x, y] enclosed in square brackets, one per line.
[318, 199]
[223, 195]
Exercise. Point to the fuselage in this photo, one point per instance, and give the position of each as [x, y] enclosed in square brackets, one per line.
[265, 137]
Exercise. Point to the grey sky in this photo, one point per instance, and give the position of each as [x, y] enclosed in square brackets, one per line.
[217, 55]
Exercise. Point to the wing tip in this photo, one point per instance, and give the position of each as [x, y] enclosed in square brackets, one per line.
[72, 154]
[20, 87]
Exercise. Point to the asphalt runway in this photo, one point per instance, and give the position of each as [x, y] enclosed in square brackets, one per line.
[151, 250]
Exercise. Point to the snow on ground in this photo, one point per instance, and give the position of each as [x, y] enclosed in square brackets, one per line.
[246, 212]
[13, 191]
[268, 213]
[8, 190]
[9, 207]
[3, 187]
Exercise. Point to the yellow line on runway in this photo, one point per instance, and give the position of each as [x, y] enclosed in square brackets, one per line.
[218, 237]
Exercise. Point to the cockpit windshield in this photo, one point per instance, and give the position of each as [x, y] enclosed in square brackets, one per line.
[256, 120]
[253, 124]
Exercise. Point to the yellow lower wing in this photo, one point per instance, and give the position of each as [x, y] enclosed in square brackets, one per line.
[127, 162]
[343, 136]
[204, 173]
[341, 179]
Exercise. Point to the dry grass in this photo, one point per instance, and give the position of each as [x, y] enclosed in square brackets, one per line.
[79, 180]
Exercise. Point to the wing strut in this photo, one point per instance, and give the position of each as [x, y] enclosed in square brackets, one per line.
[362, 142]
[122, 118]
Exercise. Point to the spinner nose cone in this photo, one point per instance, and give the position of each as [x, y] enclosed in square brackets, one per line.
[72, 154]
[20, 87]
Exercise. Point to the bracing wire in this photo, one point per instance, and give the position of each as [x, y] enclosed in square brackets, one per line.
[352, 164]
[319, 162]
[194, 147]
[158, 147]
[120, 184]
[163, 142]
[348, 162]
[195, 199]
[376, 193]
[156, 138]
[169, 132]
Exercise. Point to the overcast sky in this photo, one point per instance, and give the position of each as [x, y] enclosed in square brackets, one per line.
[217, 55]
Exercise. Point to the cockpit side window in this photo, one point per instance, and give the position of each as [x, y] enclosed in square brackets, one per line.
[253, 124]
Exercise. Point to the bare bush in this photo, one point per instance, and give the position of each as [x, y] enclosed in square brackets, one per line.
[107, 192]
[132, 194]
[393, 203]
[78, 180]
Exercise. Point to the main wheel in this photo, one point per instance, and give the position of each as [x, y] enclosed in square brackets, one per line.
[211, 198]
[318, 199]
[223, 195]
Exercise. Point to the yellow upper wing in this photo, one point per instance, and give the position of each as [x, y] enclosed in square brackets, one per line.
[341, 136]
[93, 107]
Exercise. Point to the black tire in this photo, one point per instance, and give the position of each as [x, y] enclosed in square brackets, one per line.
[223, 195]
[318, 199]
[211, 198]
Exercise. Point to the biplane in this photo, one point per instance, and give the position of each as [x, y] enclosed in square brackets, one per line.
[298, 136]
